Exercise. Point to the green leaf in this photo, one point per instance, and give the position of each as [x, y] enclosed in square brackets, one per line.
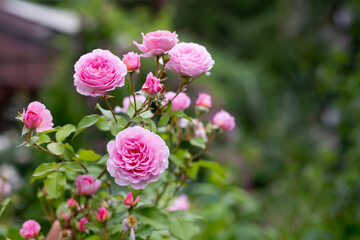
[64, 132]
[33, 140]
[93, 237]
[181, 114]
[103, 124]
[136, 119]
[182, 229]
[72, 166]
[164, 120]
[121, 121]
[92, 227]
[57, 148]
[115, 128]
[144, 231]
[194, 170]
[24, 131]
[55, 184]
[44, 169]
[153, 216]
[86, 122]
[151, 123]
[88, 155]
[215, 167]
[106, 113]
[103, 159]
[130, 111]
[43, 138]
[146, 114]
[198, 142]
[176, 160]
[4, 205]
[69, 152]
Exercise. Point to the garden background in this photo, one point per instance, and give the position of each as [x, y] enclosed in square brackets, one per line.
[289, 71]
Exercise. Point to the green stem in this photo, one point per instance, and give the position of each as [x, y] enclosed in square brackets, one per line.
[133, 88]
[157, 64]
[206, 147]
[109, 106]
[102, 173]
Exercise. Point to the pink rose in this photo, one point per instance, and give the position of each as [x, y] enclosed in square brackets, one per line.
[129, 200]
[98, 72]
[180, 204]
[102, 215]
[181, 101]
[152, 84]
[204, 100]
[37, 117]
[158, 42]
[224, 121]
[5, 187]
[126, 103]
[137, 157]
[189, 60]
[72, 203]
[82, 223]
[132, 61]
[87, 185]
[30, 229]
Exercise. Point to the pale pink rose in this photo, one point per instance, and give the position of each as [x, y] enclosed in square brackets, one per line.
[30, 229]
[126, 103]
[87, 185]
[224, 120]
[137, 157]
[204, 100]
[102, 215]
[158, 42]
[5, 187]
[82, 223]
[180, 102]
[37, 117]
[180, 204]
[72, 203]
[129, 200]
[152, 85]
[98, 72]
[132, 61]
[189, 60]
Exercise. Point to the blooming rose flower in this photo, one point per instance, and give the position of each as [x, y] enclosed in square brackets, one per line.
[5, 187]
[224, 121]
[98, 72]
[132, 61]
[181, 203]
[30, 229]
[129, 200]
[37, 117]
[181, 101]
[102, 215]
[126, 103]
[82, 223]
[72, 203]
[87, 185]
[189, 60]
[137, 157]
[152, 84]
[158, 42]
[204, 100]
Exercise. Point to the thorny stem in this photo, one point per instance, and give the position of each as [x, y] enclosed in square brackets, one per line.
[109, 106]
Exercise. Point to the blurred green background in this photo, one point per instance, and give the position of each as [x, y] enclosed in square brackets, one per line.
[289, 71]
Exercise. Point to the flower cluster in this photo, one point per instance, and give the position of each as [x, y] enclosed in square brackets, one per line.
[151, 134]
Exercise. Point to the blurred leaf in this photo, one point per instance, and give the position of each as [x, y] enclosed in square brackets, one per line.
[93, 227]
[24, 131]
[86, 122]
[4, 205]
[103, 159]
[33, 140]
[151, 123]
[215, 167]
[57, 148]
[181, 228]
[176, 160]
[69, 152]
[198, 142]
[43, 138]
[181, 115]
[64, 132]
[55, 184]
[144, 231]
[153, 216]
[164, 119]
[194, 170]
[136, 119]
[115, 128]
[88, 155]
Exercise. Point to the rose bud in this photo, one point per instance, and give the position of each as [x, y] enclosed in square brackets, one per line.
[204, 100]
[181, 203]
[37, 117]
[157, 43]
[87, 185]
[152, 85]
[102, 215]
[129, 200]
[72, 203]
[224, 121]
[30, 229]
[82, 223]
[132, 61]
[180, 102]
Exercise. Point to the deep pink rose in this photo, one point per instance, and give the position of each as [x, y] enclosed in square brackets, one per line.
[180, 204]
[132, 61]
[30, 229]
[158, 42]
[5, 187]
[102, 215]
[126, 103]
[152, 84]
[87, 185]
[137, 157]
[204, 100]
[181, 101]
[82, 223]
[129, 200]
[72, 203]
[37, 117]
[98, 72]
[224, 120]
[189, 60]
